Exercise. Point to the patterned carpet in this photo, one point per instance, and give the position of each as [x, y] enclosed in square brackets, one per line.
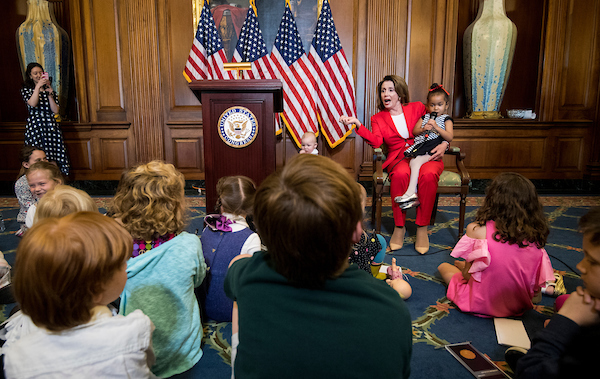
[436, 322]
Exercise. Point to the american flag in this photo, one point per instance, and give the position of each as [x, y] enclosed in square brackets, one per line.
[251, 48]
[298, 76]
[334, 79]
[207, 55]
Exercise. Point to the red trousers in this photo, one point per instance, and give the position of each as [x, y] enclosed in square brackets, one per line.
[429, 174]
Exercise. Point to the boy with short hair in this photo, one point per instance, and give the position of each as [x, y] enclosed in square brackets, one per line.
[309, 144]
[304, 312]
[568, 346]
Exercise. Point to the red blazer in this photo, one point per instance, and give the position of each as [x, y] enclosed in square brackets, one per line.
[384, 130]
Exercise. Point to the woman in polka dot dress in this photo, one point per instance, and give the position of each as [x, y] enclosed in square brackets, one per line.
[42, 103]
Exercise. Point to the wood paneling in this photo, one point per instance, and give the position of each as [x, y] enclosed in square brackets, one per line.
[187, 154]
[536, 150]
[114, 154]
[569, 155]
[133, 103]
[105, 80]
[80, 154]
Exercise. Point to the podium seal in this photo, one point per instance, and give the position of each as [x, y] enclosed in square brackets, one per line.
[238, 127]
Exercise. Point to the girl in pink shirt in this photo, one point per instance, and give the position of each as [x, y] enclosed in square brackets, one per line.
[505, 263]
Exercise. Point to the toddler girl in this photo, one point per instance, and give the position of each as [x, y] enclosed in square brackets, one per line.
[29, 156]
[370, 250]
[505, 260]
[67, 271]
[42, 177]
[225, 236]
[166, 264]
[430, 131]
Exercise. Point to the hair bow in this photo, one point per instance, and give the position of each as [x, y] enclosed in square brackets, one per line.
[439, 86]
[218, 222]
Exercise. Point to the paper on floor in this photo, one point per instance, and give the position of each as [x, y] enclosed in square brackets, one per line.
[511, 333]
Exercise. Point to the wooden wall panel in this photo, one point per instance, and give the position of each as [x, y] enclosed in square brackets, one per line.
[579, 84]
[536, 150]
[114, 154]
[11, 151]
[503, 153]
[569, 153]
[139, 22]
[105, 81]
[80, 153]
[187, 153]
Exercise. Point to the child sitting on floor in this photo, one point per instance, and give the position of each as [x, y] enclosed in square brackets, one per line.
[505, 261]
[166, 263]
[225, 236]
[303, 309]
[42, 177]
[64, 200]
[568, 346]
[67, 271]
[370, 250]
[29, 156]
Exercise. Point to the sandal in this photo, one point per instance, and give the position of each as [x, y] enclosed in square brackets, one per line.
[558, 286]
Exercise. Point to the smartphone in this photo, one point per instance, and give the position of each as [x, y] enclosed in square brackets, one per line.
[45, 75]
[478, 364]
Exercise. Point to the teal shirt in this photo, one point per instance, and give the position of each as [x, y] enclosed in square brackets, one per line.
[354, 327]
[161, 283]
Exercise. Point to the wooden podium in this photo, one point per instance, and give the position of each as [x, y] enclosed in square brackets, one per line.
[229, 109]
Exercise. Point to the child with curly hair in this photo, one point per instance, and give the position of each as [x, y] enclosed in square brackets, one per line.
[166, 263]
[505, 261]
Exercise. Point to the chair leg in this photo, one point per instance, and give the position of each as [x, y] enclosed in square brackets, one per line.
[434, 211]
[461, 216]
[373, 206]
[376, 212]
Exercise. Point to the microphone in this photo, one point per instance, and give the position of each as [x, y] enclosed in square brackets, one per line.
[432, 116]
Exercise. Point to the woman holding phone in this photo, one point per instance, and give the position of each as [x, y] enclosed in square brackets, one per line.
[42, 103]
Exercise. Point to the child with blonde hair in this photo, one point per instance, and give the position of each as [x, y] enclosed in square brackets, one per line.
[68, 271]
[29, 156]
[505, 262]
[166, 263]
[64, 200]
[309, 144]
[41, 177]
[225, 236]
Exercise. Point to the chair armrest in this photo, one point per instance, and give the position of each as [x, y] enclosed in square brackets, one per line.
[465, 178]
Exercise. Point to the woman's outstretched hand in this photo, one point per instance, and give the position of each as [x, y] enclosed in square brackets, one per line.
[348, 120]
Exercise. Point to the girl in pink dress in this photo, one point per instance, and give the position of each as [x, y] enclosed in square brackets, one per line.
[505, 262]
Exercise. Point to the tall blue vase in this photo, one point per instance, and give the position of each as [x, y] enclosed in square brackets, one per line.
[40, 39]
[488, 49]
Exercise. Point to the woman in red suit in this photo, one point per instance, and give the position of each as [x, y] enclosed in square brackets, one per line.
[394, 125]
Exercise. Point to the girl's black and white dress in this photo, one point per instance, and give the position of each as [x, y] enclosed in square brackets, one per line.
[42, 129]
[425, 142]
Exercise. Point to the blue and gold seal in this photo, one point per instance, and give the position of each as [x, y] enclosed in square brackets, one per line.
[238, 127]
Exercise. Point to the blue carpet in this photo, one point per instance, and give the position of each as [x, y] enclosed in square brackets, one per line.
[435, 320]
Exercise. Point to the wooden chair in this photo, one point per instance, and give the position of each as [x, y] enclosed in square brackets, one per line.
[450, 182]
